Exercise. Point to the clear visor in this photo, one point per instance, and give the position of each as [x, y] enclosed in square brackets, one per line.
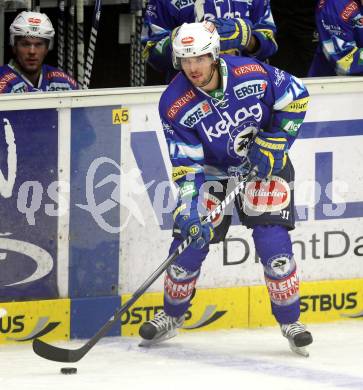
[205, 59]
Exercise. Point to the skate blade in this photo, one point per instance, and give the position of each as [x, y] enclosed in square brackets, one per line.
[302, 351]
[149, 343]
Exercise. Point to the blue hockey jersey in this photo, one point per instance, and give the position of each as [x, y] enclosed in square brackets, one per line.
[340, 28]
[162, 16]
[51, 79]
[207, 136]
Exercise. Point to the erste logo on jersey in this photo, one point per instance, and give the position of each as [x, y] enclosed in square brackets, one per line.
[180, 103]
[53, 86]
[196, 114]
[247, 69]
[20, 87]
[180, 4]
[349, 10]
[250, 88]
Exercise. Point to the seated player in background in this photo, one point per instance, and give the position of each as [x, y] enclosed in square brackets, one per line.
[31, 37]
[222, 115]
[340, 50]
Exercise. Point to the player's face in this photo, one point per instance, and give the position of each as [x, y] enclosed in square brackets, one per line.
[198, 69]
[30, 53]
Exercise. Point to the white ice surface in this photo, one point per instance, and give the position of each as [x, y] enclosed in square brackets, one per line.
[233, 359]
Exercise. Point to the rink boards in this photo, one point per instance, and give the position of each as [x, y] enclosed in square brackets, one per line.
[249, 307]
[85, 214]
[212, 309]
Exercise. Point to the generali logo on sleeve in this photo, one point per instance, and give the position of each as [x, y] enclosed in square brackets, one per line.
[180, 102]
[248, 68]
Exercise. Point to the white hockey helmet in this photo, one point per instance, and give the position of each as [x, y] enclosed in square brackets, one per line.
[33, 25]
[193, 40]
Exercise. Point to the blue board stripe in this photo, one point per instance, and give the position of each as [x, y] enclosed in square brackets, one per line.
[331, 129]
[94, 246]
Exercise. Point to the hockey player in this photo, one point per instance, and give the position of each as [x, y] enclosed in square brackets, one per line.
[221, 114]
[31, 37]
[340, 28]
[245, 27]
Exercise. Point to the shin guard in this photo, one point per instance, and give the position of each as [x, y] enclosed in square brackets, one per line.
[274, 247]
[181, 278]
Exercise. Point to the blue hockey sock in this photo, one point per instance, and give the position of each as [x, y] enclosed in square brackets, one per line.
[274, 247]
[181, 278]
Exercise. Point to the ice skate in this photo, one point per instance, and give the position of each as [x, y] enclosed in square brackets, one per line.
[298, 336]
[161, 328]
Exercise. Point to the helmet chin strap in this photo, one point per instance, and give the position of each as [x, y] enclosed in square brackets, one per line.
[214, 67]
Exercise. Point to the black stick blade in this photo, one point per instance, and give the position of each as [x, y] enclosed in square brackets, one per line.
[56, 354]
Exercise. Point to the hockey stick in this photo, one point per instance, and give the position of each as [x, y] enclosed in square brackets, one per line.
[70, 38]
[35, 5]
[92, 44]
[137, 61]
[133, 69]
[199, 10]
[80, 42]
[58, 354]
[61, 31]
